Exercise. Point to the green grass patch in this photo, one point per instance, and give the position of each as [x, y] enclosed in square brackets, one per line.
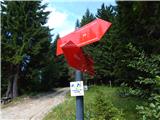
[66, 110]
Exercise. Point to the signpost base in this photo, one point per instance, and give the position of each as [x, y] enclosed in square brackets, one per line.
[79, 99]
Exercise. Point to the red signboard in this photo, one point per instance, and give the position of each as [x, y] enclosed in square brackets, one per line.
[77, 59]
[70, 45]
[85, 35]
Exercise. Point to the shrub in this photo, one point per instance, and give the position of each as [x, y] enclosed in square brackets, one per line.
[103, 109]
[126, 91]
[152, 110]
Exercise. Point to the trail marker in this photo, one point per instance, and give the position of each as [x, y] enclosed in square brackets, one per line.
[77, 88]
[71, 46]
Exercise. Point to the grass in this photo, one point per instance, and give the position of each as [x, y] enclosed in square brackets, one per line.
[66, 110]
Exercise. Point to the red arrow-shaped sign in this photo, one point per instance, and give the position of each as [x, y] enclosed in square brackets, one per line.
[85, 35]
[70, 45]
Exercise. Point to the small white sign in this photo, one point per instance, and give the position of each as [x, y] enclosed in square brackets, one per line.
[85, 87]
[77, 88]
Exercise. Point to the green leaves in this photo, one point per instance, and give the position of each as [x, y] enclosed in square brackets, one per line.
[151, 110]
[146, 64]
[148, 72]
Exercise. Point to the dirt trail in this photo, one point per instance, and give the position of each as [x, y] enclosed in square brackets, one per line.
[34, 108]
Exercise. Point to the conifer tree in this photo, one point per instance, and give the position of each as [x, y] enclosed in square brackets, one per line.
[25, 41]
[137, 26]
[103, 51]
[87, 17]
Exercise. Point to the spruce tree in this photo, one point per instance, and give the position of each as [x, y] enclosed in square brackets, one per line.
[56, 73]
[103, 52]
[137, 26]
[25, 41]
[87, 17]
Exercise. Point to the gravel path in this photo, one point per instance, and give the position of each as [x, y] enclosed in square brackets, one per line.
[34, 108]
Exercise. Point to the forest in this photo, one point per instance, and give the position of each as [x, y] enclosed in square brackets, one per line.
[128, 55]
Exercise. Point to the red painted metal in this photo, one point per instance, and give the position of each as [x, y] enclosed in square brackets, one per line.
[85, 35]
[76, 58]
[70, 45]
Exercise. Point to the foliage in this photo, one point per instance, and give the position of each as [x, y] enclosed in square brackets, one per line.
[106, 12]
[134, 28]
[151, 110]
[126, 91]
[104, 109]
[129, 52]
[135, 24]
[25, 43]
[104, 51]
[88, 17]
[147, 83]
[55, 74]
[148, 78]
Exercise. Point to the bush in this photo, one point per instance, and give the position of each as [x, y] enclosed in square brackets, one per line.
[152, 110]
[103, 109]
[126, 91]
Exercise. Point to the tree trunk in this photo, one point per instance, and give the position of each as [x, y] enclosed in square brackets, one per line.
[110, 83]
[10, 83]
[12, 90]
[15, 83]
[9, 88]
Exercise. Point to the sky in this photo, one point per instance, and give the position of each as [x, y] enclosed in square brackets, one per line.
[64, 13]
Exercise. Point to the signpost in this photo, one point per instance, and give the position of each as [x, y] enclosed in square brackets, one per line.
[77, 90]
[79, 98]
[70, 45]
